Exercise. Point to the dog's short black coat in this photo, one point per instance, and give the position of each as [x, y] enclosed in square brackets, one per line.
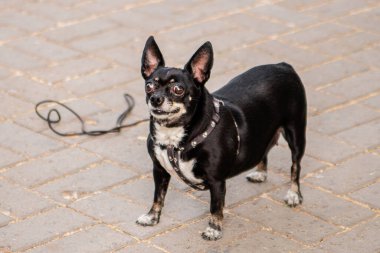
[263, 102]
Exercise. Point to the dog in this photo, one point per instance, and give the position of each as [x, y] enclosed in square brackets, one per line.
[206, 138]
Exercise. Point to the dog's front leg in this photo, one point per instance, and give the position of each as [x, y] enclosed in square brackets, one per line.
[218, 193]
[161, 182]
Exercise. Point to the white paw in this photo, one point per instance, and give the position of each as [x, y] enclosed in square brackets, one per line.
[257, 176]
[147, 220]
[292, 198]
[212, 234]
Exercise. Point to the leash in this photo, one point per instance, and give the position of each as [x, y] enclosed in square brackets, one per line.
[55, 113]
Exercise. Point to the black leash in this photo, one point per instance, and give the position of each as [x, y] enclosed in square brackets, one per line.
[55, 113]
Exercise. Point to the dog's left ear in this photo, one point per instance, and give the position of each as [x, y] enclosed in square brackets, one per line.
[151, 58]
[200, 64]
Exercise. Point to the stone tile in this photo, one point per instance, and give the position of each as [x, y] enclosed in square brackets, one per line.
[339, 120]
[365, 20]
[280, 161]
[262, 242]
[101, 80]
[24, 21]
[67, 70]
[368, 195]
[355, 240]
[317, 33]
[18, 60]
[140, 248]
[335, 9]
[40, 171]
[23, 235]
[4, 220]
[365, 136]
[327, 149]
[45, 49]
[129, 56]
[188, 237]
[18, 106]
[332, 72]
[25, 141]
[347, 44]
[4, 73]
[122, 213]
[289, 221]
[80, 30]
[10, 33]
[328, 207]
[239, 189]
[85, 182]
[362, 170]
[95, 239]
[128, 147]
[319, 101]
[373, 102]
[9, 157]
[356, 86]
[369, 57]
[32, 91]
[20, 202]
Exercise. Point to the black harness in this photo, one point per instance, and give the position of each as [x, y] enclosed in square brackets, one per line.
[173, 152]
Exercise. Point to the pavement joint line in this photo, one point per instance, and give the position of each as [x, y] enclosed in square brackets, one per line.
[353, 126]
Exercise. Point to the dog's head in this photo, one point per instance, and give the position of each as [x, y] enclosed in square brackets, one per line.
[172, 93]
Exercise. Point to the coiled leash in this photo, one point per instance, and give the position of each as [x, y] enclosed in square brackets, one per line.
[54, 117]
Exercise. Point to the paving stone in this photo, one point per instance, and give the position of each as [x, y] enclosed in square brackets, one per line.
[23, 235]
[25, 141]
[24, 20]
[319, 101]
[369, 57]
[80, 30]
[10, 33]
[280, 161]
[128, 147]
[363, 169]
[140, 248]
[45, 49]
[101, 80]
[328, 207]
[373, 102]
[356, 240]
[25, 89]
[342, 119]
[36, 172]
[355, 135]
[19, 60]
[188, 237]
[327, 149]
[9, 157]
[4, 220]
[368, 195]
[356, 86]
[122, 213]
[20, 202]
[85, 182]
[365, 20]
[239, 189]
[262, 241]
[129, 56]
[95, 239]
[332, 72]
[289, 221]
[69, 69]
[18, 106]
[335, 9]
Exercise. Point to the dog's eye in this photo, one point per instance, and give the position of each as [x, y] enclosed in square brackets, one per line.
[177, 90]
[149, 87]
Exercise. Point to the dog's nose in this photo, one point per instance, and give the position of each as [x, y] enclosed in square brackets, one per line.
[156, 100]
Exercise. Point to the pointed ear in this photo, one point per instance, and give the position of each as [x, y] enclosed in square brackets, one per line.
[151, 58]
[200, 63]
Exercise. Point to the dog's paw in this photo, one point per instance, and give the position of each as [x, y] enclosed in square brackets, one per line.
[293, 198]
[257, 176]
[147, 220]
[211, 234]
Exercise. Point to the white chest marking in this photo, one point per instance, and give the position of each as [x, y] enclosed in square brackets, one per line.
[172, 136]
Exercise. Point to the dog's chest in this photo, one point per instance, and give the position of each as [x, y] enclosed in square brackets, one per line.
[172, 136]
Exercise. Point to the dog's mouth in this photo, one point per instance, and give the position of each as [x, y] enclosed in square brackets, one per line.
[162, 112]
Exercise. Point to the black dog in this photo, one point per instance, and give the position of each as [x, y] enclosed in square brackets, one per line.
[206, 138]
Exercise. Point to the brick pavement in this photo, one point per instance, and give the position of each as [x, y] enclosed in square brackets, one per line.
[83, 194]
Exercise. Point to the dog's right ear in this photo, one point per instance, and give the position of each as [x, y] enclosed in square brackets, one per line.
[151, 58]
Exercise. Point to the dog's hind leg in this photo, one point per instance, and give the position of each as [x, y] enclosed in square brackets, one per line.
[295, 136]
[260, 174]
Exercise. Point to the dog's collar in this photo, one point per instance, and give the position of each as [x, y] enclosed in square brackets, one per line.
[173, 152]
